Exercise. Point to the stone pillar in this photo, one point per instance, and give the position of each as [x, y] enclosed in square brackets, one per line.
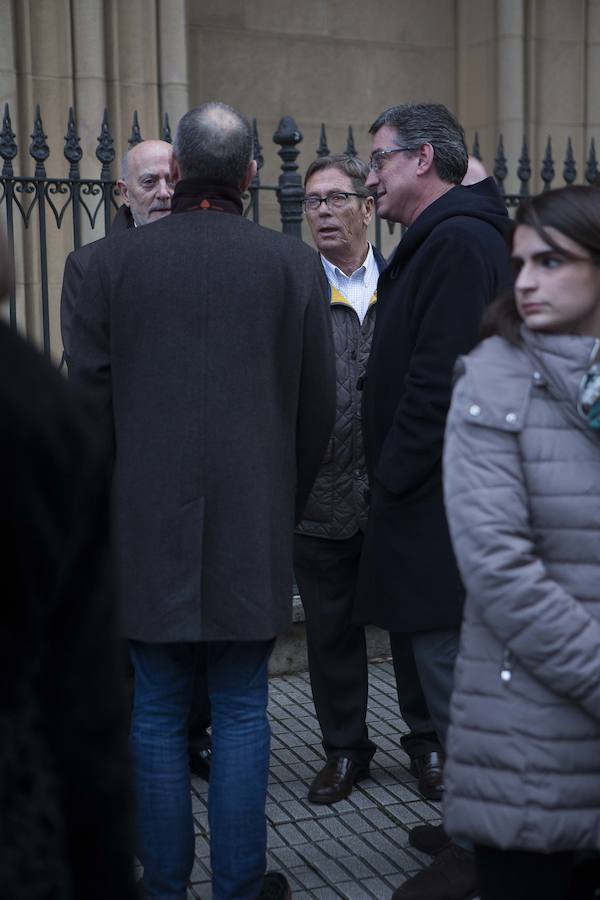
[89, 79]
[592, 77]
[511, 97]
[173, 60]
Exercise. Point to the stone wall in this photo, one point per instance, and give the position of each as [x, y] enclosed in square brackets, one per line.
[520, 67]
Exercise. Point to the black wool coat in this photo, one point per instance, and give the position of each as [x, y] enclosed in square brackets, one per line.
[63, 714]
[452, 261]
[75, 268]
[205, 341]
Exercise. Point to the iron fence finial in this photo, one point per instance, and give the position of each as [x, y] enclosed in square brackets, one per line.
[166, 130]
[105, 152]
[8, 145]
[136, 135]
[323, 149]
[350, 147]
[547, 170]
[38, 148]
[591, 168]
[570, 169]
[72, 151]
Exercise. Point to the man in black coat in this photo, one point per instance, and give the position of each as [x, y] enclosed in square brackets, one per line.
[449, 265]
[206, 345]
[66, 827]
[146, 188]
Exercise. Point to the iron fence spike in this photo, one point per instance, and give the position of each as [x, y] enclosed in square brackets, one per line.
[350, 147]
[166, 129]
[72, 150]
[569, 169]
[591, 168]
[8, 146]
[476, 152]
[136, 135]
[38, 148]
[547, 171]
[323, 149]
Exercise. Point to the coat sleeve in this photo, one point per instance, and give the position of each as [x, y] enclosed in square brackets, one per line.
[72, 278]
[316, 401]
[89, 363]
[547, 630]
[456, 282]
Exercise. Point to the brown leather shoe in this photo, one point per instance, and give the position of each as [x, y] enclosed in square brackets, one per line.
[431, 839]
[429, 769]
[336, 779]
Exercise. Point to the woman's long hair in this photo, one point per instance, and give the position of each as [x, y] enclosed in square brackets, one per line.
[572, 210]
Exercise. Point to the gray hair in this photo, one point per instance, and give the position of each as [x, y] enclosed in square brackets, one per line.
[429, 123]
[214, 142]
[356, 170]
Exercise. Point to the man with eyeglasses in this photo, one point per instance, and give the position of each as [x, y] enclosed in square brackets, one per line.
[450, 263]
[329, 539]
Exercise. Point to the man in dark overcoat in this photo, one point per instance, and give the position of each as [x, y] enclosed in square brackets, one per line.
[146, 188]
[451, 262]
[66, 826]
[206, 345]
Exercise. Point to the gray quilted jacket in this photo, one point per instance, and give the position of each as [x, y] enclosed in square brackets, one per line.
[522, 490]
[338, 505]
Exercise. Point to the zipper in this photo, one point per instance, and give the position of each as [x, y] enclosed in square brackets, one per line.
[506, 670]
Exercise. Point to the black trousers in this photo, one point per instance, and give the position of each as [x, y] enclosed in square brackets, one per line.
[326, 572]
[424, 668]
[521, 875]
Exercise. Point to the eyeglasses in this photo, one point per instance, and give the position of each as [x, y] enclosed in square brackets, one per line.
[336, 200]
[377, 158]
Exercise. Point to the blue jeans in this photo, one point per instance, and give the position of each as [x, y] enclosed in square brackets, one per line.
[238, 691]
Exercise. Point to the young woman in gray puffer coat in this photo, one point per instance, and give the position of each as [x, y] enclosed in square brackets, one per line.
[522, 488]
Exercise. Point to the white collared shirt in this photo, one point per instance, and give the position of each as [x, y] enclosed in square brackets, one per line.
[357, 288]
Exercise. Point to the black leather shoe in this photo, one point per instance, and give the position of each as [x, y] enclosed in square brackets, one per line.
[275, 887]
[429, 769]
[451, 876]
[200, 763]
[431, 839]
[336, 779]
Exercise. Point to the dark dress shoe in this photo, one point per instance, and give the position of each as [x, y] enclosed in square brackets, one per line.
[451, 876]
[200, 763]
[275, 887]
[336, 779]
[431, 839]
[429, 769]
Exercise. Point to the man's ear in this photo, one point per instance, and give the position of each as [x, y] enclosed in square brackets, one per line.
[174, 173]
[425, 159]
[123, 191]
[250, 173]
[369, 209]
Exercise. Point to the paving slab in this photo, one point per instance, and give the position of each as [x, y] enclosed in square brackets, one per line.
[357, 849]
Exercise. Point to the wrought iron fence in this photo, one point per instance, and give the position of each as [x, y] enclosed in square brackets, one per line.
[94, 199]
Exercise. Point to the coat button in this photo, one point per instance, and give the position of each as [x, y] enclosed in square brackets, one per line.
[474, 410]
[511, 418]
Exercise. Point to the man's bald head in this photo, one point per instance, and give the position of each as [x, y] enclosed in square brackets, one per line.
[214, 142]
[145, 183]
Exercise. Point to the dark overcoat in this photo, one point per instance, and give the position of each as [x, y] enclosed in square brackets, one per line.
[62, 709]
[452, 261]
[75, 268]
[206, 341]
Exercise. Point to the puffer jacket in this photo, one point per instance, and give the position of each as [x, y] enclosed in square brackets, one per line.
[338, 504]
[522, 492]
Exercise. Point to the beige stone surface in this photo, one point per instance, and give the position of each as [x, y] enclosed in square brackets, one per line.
[507, 66]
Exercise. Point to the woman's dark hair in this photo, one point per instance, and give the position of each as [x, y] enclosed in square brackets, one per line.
[572, 210]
